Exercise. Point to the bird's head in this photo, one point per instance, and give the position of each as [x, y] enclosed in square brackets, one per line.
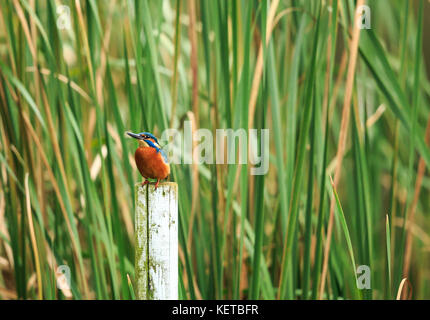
[145, 139]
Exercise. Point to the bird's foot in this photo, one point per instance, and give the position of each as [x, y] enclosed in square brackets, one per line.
[145, 182]
[156, 184]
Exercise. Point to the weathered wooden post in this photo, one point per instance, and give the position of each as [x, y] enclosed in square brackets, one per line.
[156, 230]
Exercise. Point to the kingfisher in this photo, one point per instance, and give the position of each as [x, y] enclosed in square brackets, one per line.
[151, 160]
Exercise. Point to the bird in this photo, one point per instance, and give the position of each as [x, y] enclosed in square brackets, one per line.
[151, 160]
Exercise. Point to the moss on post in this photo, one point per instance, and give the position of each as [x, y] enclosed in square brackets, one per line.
[156, 235]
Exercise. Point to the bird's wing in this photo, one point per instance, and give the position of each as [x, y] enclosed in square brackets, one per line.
[164, 155]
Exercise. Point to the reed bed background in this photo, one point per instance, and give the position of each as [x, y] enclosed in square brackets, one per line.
[341, 103]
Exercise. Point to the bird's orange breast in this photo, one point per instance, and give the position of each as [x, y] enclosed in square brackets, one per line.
[151, 163]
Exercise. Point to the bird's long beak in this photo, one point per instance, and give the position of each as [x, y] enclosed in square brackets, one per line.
[133, 135]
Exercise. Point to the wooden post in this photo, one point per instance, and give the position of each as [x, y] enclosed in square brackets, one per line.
[156, 232]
